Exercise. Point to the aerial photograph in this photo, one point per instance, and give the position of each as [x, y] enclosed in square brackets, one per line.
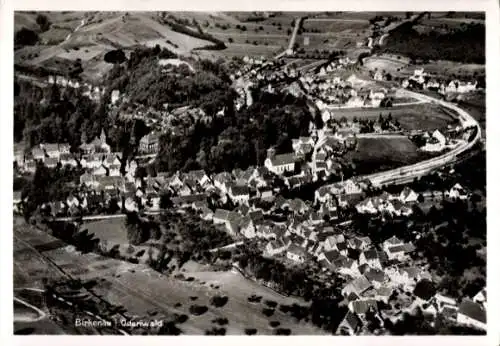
[249, 173]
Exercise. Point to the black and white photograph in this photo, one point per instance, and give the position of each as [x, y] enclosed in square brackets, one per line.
[249, 173]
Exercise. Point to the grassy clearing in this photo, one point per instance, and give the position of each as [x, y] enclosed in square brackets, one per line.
[327, 25]
[143, 292]
[378, 154]
[415, 117]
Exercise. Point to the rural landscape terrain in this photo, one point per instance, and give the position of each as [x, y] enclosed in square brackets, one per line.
[249, 173]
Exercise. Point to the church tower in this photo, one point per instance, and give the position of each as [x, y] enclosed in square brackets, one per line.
[103, 137]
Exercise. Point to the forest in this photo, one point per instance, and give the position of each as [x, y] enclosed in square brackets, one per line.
[238, 139]
[465, 44]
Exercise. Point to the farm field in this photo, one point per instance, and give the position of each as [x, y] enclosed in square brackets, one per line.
[336, 26]
[168, 293]
[102, 32]
[378, 154]
[424, 116]
[140, 290]
[390, 65]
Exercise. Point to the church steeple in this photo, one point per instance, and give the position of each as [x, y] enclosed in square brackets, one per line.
[103, 136]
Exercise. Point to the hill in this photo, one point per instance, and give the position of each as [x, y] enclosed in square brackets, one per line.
[89, 35]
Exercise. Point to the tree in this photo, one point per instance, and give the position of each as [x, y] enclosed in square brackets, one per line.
[25, 37]
[43, 22]
[116, 56]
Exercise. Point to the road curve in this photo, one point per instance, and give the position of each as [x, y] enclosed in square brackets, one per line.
[406, 174]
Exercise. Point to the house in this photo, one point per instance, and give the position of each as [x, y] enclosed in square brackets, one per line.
[347, 266]
[99, 171]
[408, 195]
[400, 252]
[472, 314]
[302, 145]
[275, 247]
[239, 194]
[296, 253]
[223, 181]
[38, 153]
[51, 150]
[376, 277]
[150, 143]
[16, 201]
[480, 297]
[406, 277]
[281, 163]
[392, 241]
[383, 293]
[444, 302]
[350, 325]
[51, 162]
[247, 228]
[200, 177]
[359, 243]
[229, 219]
[357, 286]
[370, 257]
[457, 191]
[362, 306]
[206, 214]
[97, 145]
[72, 201]
[329, 257]
[67, 160]
[130, 204]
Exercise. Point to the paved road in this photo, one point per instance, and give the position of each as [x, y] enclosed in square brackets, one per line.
[292, 39]
[408, 173]
[23, 318]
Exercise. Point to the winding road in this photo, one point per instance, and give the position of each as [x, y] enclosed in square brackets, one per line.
[406, 174]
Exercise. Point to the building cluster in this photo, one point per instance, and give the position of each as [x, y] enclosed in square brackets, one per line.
[336, 92]
[437, 141]
[93, 92]
[423, 80]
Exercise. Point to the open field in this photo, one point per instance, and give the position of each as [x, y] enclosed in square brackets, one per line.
[140, 290]
[241, 50]
[379, 154]
[166, 293]
[389, 65]
[415, 117]
[336, 26]
[259, 38]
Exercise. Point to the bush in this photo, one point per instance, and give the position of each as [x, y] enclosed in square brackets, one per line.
[219, 301]
[221, 321]
[254, 298]
[216, 331]
[197, 310]
[268, 312]
[271, 303]
[169, 328]
[284, 308]
[282, 331]
[250, 331]
[274, 324]
[181, 318]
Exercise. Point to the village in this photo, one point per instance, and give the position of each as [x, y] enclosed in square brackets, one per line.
[250, 205]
